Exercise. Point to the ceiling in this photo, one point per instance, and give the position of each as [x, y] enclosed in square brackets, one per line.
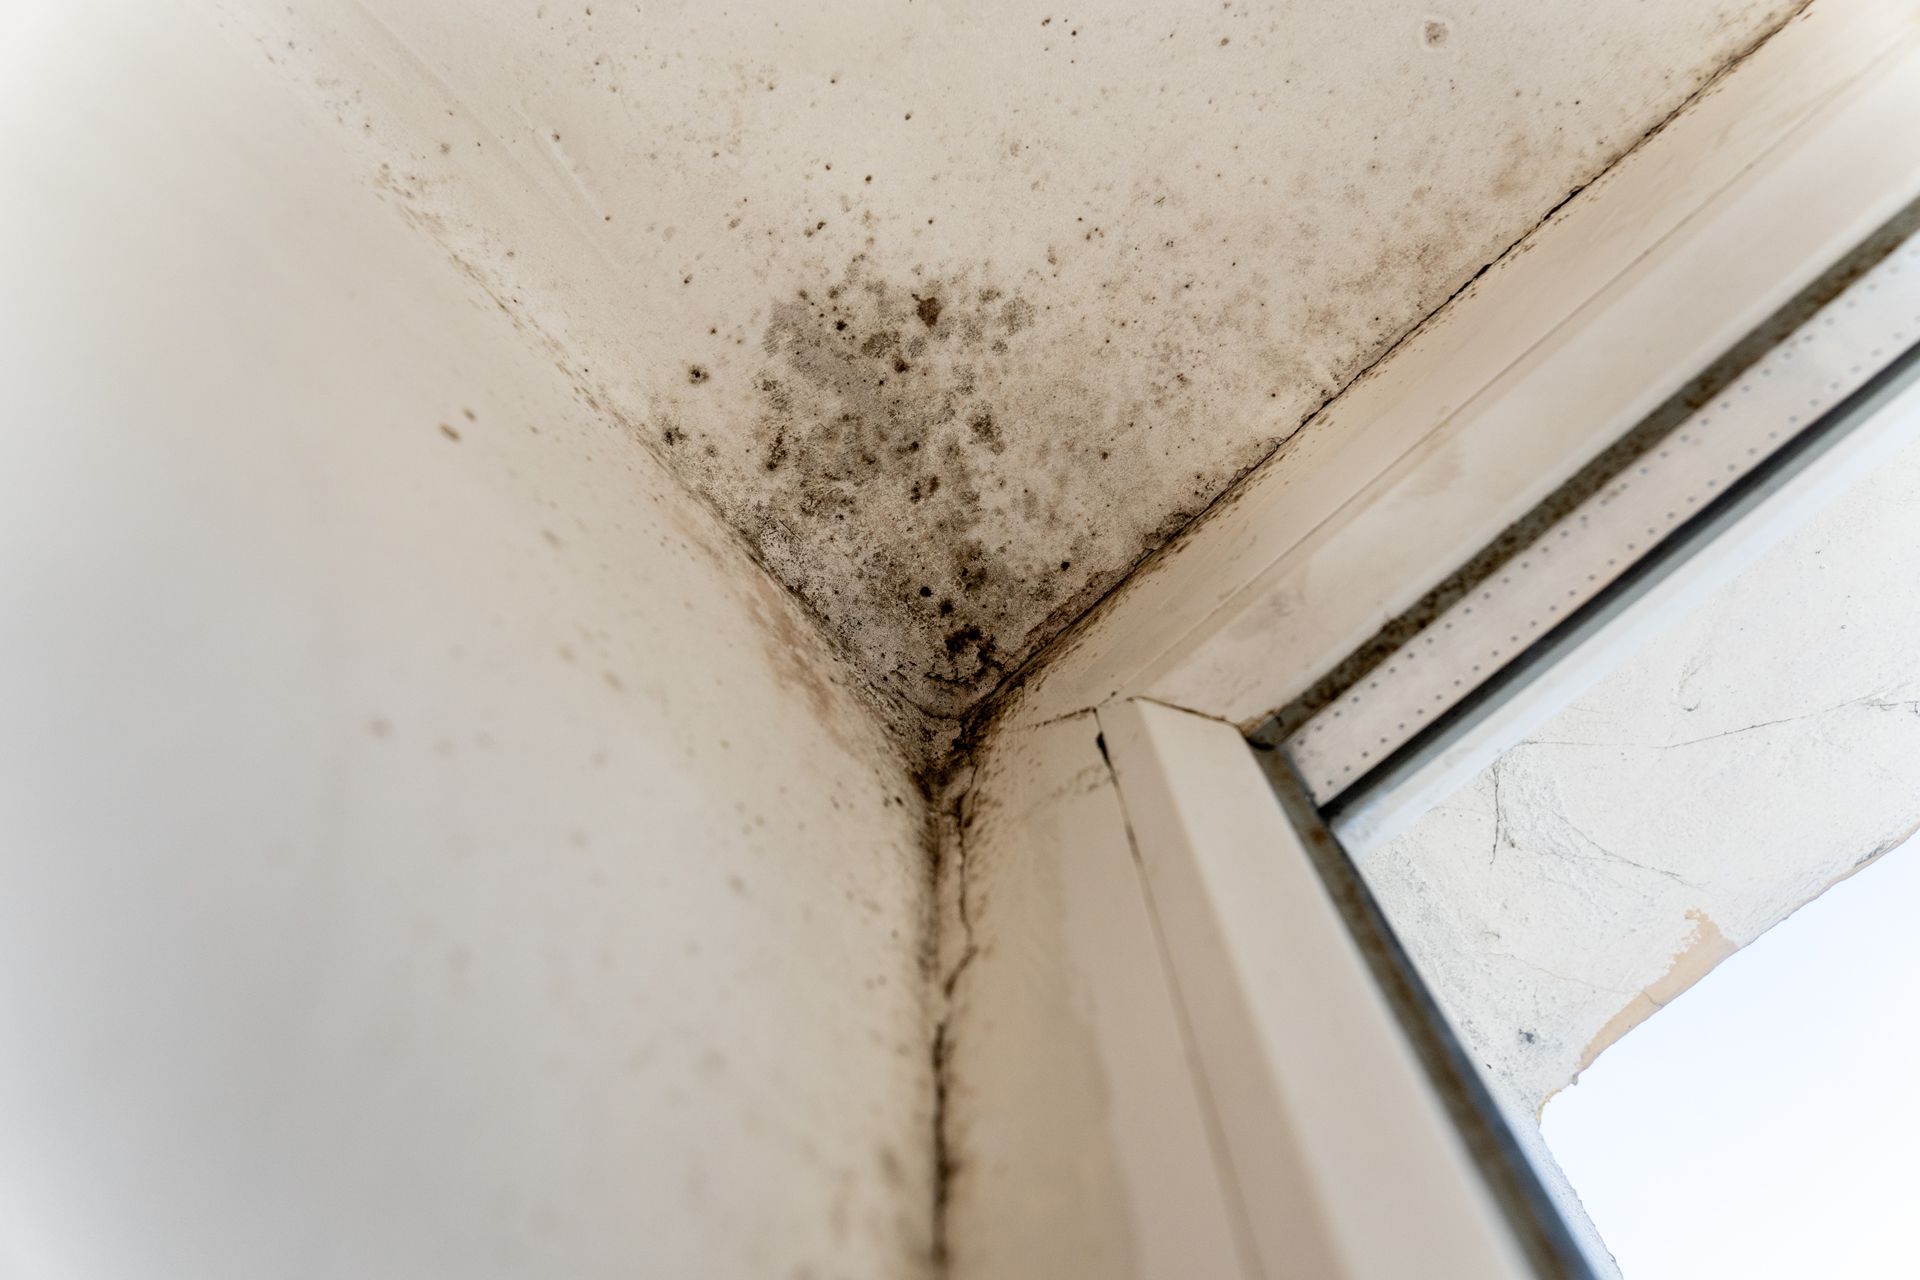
[956, 310]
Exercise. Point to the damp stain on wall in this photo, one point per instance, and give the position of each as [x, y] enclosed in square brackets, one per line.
[955, 314]
[939, 460]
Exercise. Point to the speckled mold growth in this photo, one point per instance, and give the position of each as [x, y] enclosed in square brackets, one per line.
[957, 311]
[916, 435]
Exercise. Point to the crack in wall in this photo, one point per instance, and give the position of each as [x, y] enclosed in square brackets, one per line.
[1870, 701]
[957, 818]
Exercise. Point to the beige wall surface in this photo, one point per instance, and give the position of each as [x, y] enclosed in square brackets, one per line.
[957, 309]
[431, 846]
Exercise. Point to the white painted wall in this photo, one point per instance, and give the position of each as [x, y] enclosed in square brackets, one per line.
[429, 846]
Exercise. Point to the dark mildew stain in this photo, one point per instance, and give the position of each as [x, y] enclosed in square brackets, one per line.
[945, 461]
[875, 394]
[954, 345]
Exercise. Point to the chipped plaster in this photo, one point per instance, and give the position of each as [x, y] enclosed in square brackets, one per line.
[1745, 760]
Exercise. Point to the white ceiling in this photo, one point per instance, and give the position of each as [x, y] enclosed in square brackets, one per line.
[955, 310]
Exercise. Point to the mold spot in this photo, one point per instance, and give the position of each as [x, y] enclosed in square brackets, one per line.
[986, 431]
[868, 380]
[921, 458]
[1108, 328]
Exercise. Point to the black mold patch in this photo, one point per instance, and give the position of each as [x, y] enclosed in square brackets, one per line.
[946, 465]
[879, 396]
[1101, 282]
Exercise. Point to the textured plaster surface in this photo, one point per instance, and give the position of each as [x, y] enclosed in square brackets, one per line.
[956, 310]
[432, 846]
[1751, 756]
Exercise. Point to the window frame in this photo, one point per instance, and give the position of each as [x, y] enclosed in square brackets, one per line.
[1793, 482]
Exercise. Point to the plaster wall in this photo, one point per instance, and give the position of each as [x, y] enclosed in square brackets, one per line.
[432, 846]
[955, 311]
[1755, 753]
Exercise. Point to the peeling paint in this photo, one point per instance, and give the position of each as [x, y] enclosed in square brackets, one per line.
[1704, 948]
